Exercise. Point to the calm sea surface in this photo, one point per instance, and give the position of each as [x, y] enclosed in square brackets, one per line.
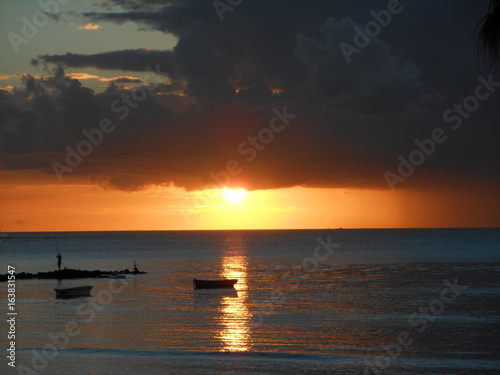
[306, 302]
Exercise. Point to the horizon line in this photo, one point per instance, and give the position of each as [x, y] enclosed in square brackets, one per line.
[242, 229]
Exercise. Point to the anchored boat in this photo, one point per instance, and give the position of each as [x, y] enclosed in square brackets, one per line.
[78, 291]
[211, 284]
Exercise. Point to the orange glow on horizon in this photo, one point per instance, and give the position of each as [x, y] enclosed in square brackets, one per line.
[82, 207]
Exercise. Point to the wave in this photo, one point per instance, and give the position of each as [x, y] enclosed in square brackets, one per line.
[456, 363]
[193, 353]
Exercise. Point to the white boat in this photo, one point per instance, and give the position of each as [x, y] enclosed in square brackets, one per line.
[78, 291]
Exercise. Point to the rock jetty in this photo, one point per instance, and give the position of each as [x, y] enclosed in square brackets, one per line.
[72, 274]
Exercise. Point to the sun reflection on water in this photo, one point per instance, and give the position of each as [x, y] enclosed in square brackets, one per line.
[235, 331]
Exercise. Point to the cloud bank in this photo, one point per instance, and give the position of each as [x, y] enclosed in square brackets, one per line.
[223, 83]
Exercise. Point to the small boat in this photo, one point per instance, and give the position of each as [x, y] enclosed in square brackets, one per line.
[210, 284]
[78, 291]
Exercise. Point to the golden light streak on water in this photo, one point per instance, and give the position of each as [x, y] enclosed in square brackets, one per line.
[235, 321]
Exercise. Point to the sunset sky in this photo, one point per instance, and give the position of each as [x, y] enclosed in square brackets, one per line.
[152, 114]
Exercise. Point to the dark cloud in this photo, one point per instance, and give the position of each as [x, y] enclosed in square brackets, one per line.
[257, 94]
[257, 34]
[352, 119]
[374, 81]
[129, 60]
[206, 71]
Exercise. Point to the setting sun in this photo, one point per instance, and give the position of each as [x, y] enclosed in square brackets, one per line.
[234, 195]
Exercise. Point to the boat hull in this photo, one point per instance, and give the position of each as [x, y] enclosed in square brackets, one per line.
[214, 284]
[79, 291]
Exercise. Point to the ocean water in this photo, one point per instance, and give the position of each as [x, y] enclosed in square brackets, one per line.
[420, 301]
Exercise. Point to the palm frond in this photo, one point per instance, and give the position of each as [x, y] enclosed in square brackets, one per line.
[489, 33]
